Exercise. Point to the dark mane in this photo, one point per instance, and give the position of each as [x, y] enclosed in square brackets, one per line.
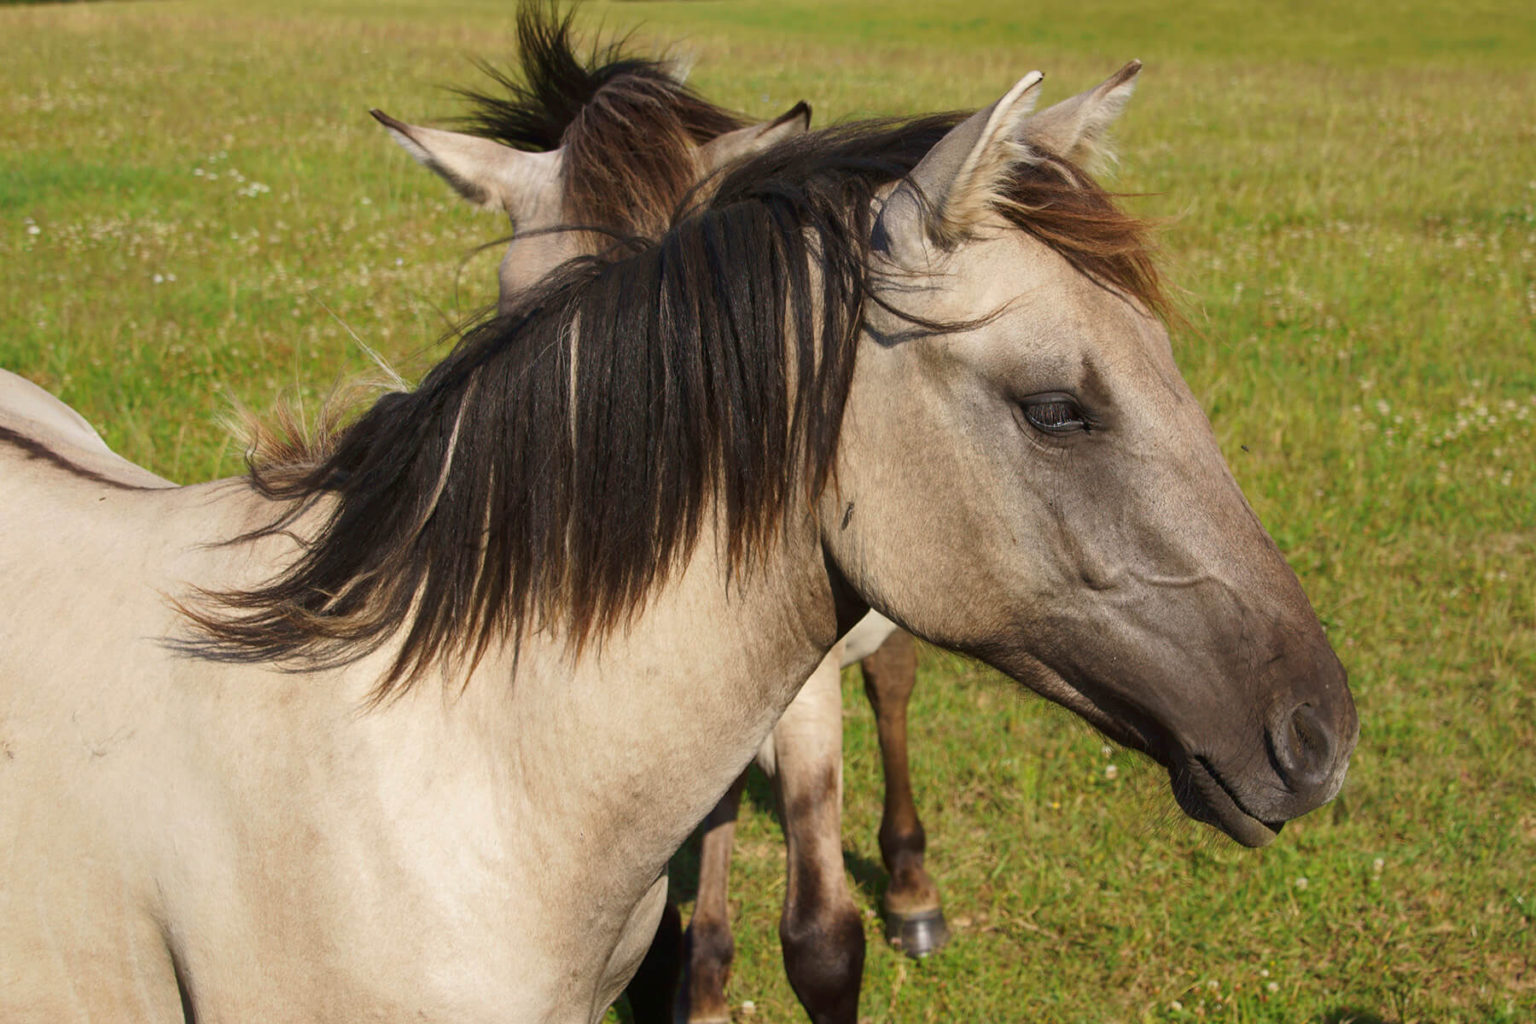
[628, 125]
[1048, 197]
[566, 457]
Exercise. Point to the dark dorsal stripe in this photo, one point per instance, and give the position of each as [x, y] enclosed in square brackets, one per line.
[35, 449]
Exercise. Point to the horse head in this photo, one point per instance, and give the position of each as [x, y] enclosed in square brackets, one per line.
[639, 148]
[1024, 475]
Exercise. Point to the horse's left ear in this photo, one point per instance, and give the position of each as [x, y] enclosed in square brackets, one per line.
[486, 173]
[951, 188]
[743, 142]
[1077, 128]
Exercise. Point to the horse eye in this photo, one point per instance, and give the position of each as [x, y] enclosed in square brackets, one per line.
[1054, 414]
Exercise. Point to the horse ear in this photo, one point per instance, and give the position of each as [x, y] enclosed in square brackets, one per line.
[1077, 128]
[744, 142]
[950, 189]
[486, 173]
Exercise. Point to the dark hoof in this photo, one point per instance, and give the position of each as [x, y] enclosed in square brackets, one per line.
[917, 934]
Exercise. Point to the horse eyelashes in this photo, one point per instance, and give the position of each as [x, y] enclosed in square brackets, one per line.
[1055, 414]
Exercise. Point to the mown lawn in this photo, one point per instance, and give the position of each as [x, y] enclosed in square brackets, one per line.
[194, 207]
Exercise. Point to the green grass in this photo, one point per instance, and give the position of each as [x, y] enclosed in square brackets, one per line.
[1352, 210]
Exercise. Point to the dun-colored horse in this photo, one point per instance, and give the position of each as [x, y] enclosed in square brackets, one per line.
[419, 725]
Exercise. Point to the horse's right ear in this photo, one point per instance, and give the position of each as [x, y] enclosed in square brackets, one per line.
[744, 142]
[486, 173]
[1076, 128]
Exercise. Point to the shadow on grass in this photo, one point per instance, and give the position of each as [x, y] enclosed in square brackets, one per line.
[683, 872]
[759, 791]
[868, 876]
[1354, 1015]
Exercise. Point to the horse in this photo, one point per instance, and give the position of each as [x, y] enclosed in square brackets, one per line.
[555, 154]
[409, 724]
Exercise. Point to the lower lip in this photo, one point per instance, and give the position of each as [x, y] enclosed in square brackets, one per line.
[1227, 815]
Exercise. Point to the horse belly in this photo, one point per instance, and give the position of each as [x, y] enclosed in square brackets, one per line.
[865, 637]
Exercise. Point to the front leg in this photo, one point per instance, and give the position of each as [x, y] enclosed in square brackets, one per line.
[914, 916]
[709, 944]
[821, 932]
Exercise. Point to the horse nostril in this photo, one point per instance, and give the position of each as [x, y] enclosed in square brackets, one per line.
[1303, 747]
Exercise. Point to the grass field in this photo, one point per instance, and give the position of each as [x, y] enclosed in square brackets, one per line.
[194, 207]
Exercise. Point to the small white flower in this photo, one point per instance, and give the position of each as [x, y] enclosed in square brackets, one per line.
[33, 229]
[1272, 987]
[1301, 883]
[1110, 771]
[159, 279]
[1175, 1005]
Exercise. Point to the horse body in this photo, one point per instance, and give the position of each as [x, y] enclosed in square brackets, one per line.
[289, 856]
[502, 598]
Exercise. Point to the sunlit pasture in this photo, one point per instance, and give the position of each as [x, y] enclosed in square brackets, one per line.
[196, 210]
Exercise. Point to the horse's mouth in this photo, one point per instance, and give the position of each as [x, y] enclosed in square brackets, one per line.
[1204, 796]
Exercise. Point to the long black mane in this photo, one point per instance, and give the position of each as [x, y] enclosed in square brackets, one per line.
[568, 455]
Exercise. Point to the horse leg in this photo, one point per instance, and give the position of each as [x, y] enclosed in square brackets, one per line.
[821, 932]
[914, 918]
[653, 989]
[708, 942]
